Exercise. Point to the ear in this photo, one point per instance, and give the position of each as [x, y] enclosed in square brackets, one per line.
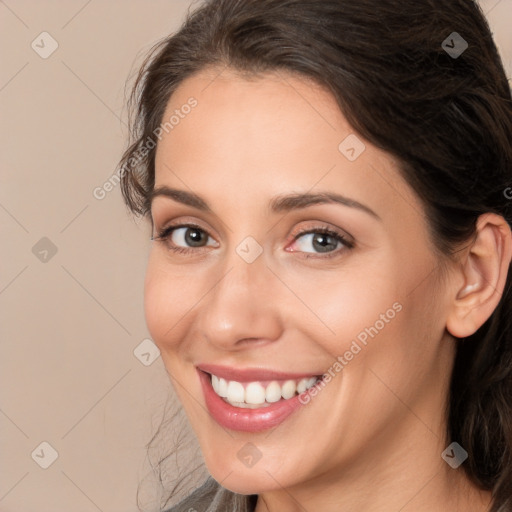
[483, 272]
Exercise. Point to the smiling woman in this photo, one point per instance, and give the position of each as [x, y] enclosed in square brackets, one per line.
[329, 283]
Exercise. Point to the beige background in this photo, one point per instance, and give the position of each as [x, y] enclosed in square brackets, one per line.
[71, 322]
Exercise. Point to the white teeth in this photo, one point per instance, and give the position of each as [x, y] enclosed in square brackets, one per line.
[301, 386]
[288, 389]
[215, 383]
[273, 392]
[311, 382]
[244, 405]
[255, 394]
[223, 388]
[236, 392]
[306, 384]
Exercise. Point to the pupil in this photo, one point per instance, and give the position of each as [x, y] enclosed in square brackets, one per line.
[193, 236]
[321, 243]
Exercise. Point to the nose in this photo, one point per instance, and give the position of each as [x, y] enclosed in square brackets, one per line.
[242, 310]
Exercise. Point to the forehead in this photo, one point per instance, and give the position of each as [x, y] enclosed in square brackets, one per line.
[264, 135]
[261, 113]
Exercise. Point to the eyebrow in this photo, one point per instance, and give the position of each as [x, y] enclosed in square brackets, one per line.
[278, 204]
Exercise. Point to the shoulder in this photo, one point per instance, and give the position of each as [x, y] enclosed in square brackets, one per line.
[212, 497]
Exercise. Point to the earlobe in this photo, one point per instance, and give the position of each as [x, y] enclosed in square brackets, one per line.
[484, 269]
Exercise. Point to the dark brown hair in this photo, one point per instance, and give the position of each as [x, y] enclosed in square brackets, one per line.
[446, 118]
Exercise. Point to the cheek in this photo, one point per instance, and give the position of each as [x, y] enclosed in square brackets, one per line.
[167, 299]
[347, 302]
[154, 304]
[378, 314]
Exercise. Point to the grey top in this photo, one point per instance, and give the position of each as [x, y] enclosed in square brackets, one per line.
[212, 497]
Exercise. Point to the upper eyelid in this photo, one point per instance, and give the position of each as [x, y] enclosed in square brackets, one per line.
[342, 235]
[323, 225]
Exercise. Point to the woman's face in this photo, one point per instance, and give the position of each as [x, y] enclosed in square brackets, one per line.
[252, 300]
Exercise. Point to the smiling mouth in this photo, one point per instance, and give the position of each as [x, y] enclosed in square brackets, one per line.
[253, 399]
[257, 394]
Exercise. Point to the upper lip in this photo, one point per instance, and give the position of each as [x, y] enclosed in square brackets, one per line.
[250, 374]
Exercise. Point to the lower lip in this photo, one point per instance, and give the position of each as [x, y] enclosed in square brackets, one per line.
[247, 420]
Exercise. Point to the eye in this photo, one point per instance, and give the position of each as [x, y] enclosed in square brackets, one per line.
[323, 240]
[188, 238]
[184, 238]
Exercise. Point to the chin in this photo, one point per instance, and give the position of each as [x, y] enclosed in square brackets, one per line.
[250, 480]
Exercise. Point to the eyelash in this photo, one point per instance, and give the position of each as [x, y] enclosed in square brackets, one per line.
[164, 234]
